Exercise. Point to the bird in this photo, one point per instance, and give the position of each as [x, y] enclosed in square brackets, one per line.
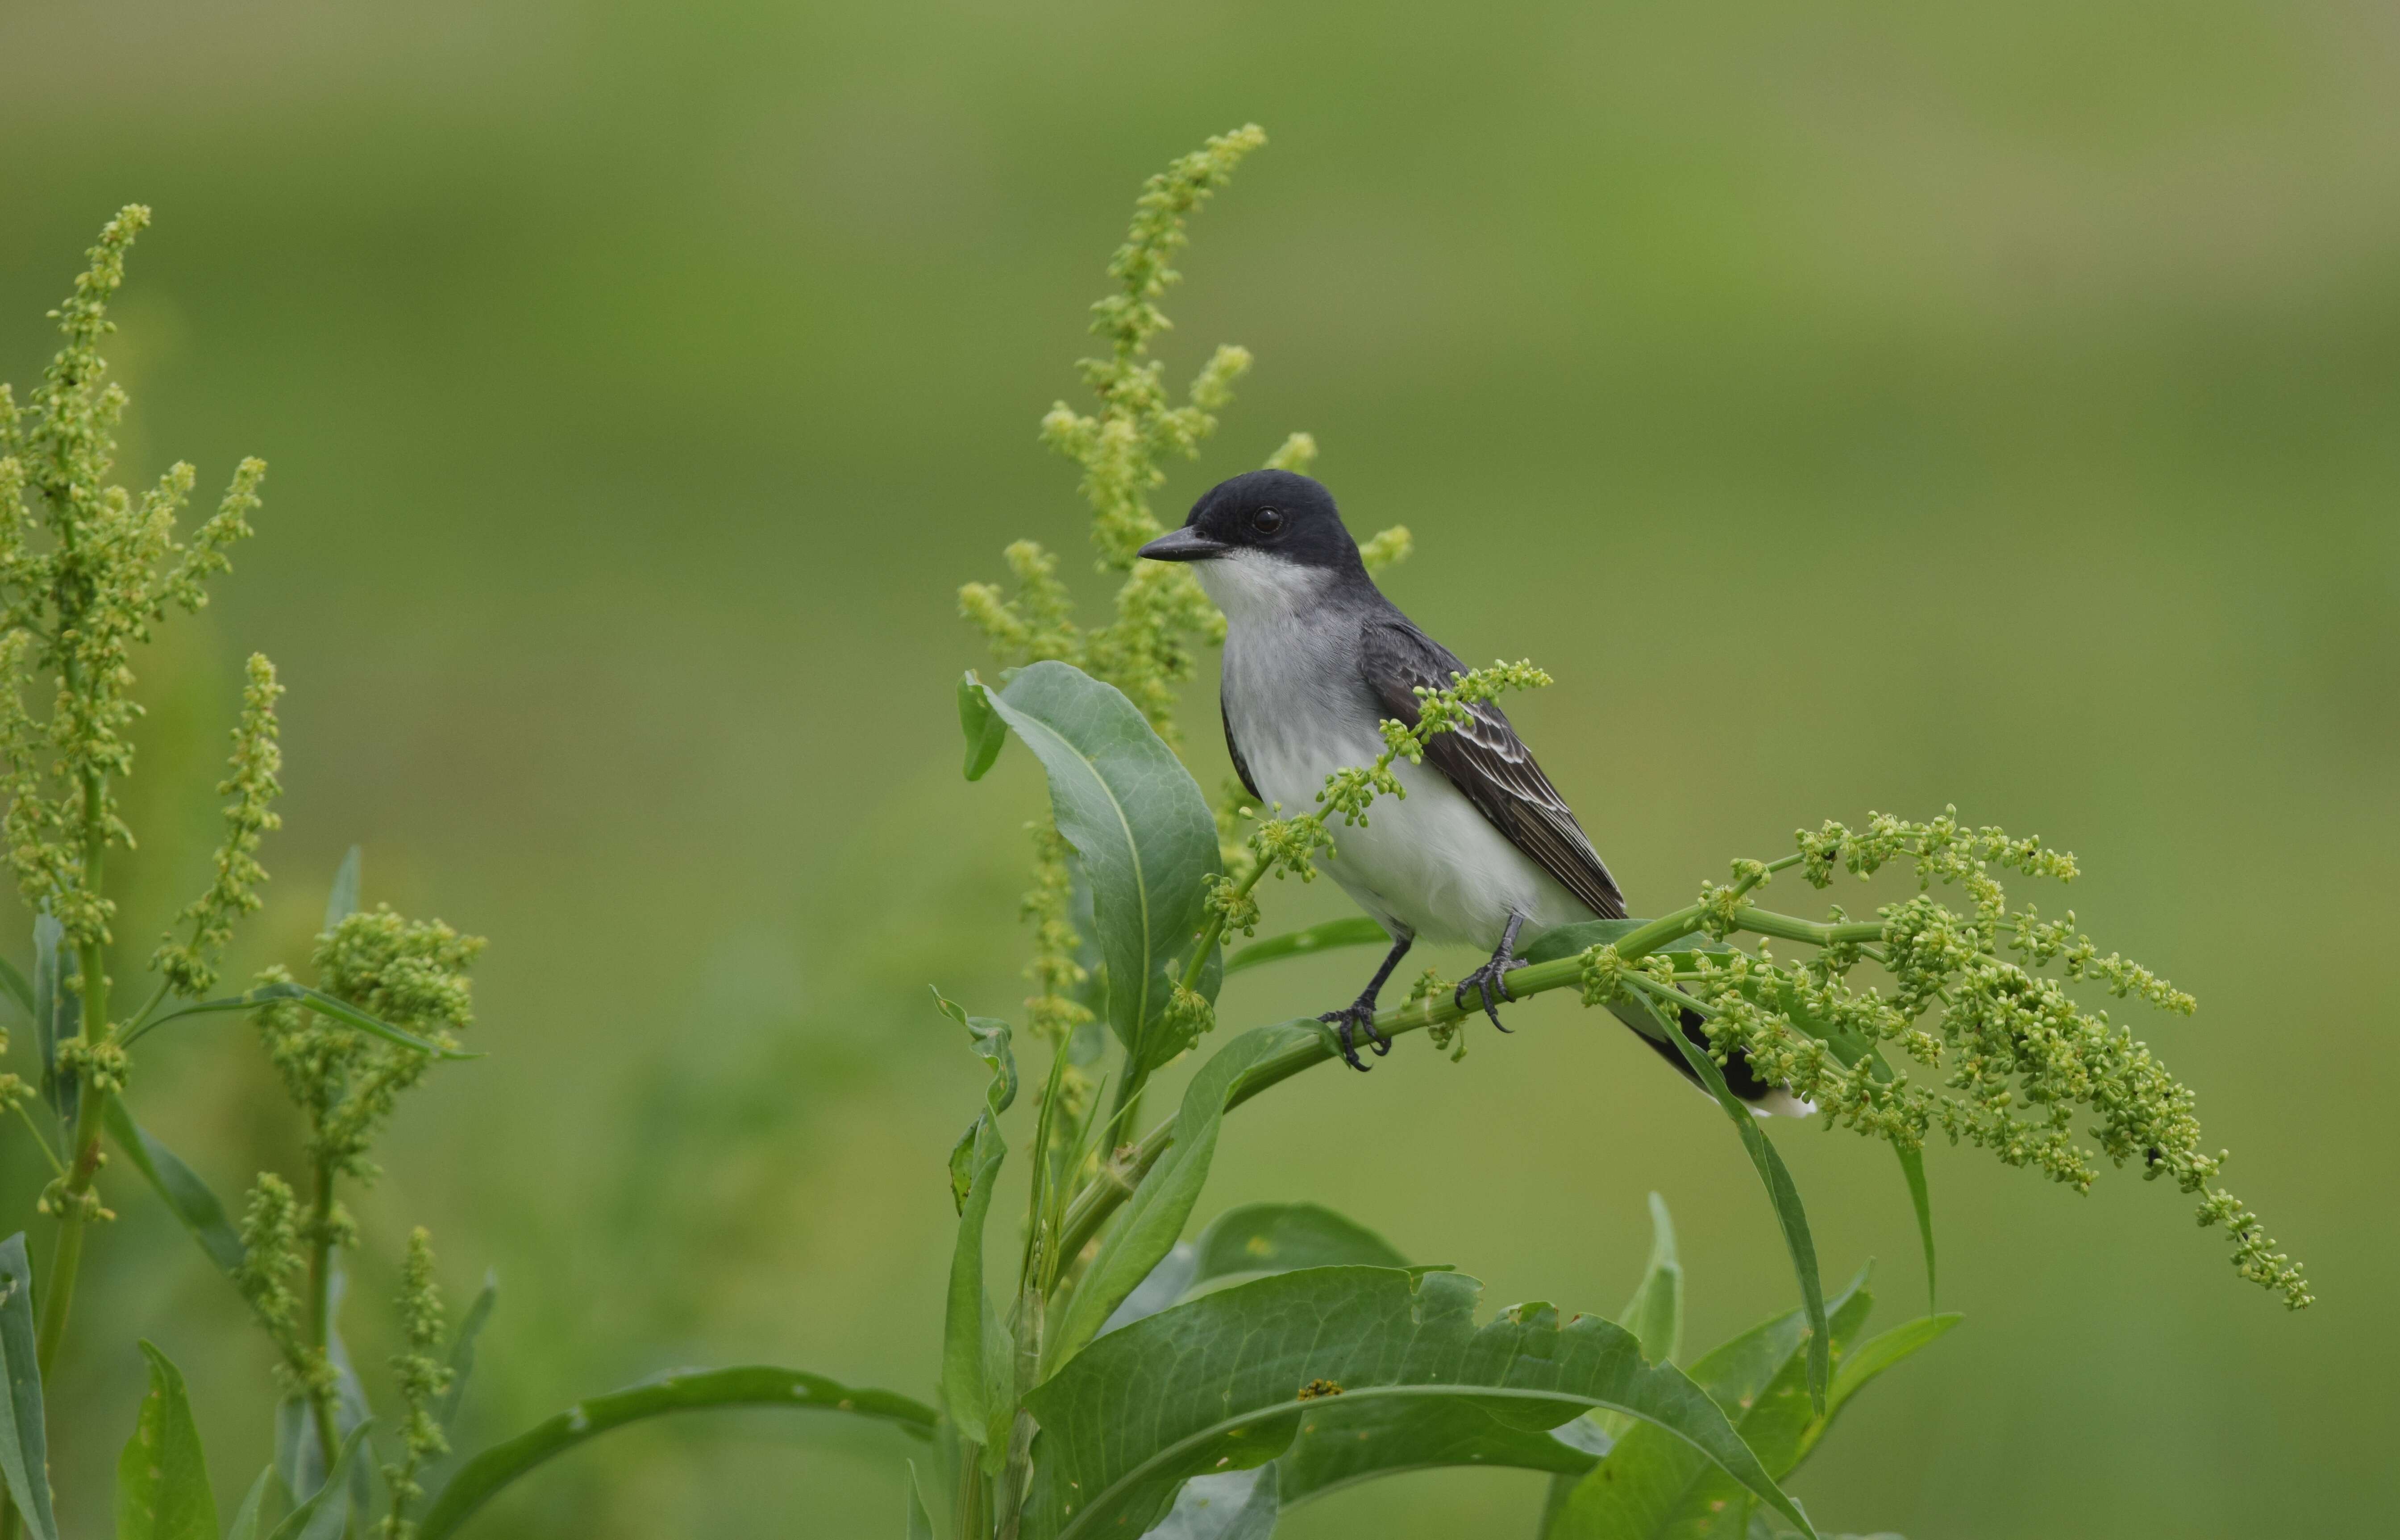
[1480, 846]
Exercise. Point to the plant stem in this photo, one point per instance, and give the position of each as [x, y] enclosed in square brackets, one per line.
[1095, 1203]
[67, 1262]
[1787, 928]
[321, 1315]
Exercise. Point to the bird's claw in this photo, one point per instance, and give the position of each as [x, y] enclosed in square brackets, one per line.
[1489, 984]
[1347, 1022]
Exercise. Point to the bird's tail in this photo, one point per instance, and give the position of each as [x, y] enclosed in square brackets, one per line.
[1740, 1078]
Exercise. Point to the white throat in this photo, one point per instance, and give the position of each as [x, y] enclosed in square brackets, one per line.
[1253, 588]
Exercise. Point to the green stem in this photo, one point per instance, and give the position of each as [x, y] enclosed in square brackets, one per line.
[321, 1315]
[66, 1262]
[1788, 928]
[1129, 1089]
[58, 1169]
[1117, 1180]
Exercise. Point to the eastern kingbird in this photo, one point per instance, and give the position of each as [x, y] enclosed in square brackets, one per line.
[1482, 845]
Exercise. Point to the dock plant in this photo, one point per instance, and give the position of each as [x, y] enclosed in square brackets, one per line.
[1112, 1366]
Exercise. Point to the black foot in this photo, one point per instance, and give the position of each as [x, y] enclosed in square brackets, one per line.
[1347, 1022]
[1489, 982]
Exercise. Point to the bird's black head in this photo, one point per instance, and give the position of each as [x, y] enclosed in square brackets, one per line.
[1280, 514]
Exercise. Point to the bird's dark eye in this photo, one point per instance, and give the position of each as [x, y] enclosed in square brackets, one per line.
[1266, 521]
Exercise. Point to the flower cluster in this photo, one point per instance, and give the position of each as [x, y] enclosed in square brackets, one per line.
[423, 1377]
[2022, 1062]
[410, 974]
[189, 967]
[86, 569]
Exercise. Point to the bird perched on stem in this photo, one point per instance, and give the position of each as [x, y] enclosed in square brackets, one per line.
[1481, 848]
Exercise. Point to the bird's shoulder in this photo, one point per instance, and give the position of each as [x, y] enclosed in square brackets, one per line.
[1484, 759]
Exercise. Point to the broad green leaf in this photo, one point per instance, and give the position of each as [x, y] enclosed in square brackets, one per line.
[1153, 1216]
[252, 1514]
[1781, 1194]
[15, 986]
[25, 1448]
[162, 1478]
[1655, 1316]
[1142, 829]
[56, 1015]
[1652, 1487]
[921, 1524]
[1238, 1505]
[1912, 1166]
[187, 1196]
[1356, 930]
[341, 899]
[1236, 1378]
[1284, 1237]
[325, 1512]
[488, 1472]
[462, 1351]
[1261, 1239]
[1250, 1241]
[317, 1001]
[986, 733]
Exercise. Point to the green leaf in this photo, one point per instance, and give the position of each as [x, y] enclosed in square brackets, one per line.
[1654, 1313]
[1655, 1316]
[317, 1001]
[25, 1449]
[921, 1524]
[1781, 1193]
[1284, 1237]
[692, 1390]
[1652, 1487]
[462, 1351]
[1863, 1363]
[186, 1195]
[986, 734]
[1217, 1384]
[162, 1478]
[1252, 1241]
[14, 984]
[977, 1352]
[1912, 1166]
[1356, 930]
[325, 1512]
[1153, 1216]
[1143, 831]
[341, 899]
[252, 1514]
[1234, 1504]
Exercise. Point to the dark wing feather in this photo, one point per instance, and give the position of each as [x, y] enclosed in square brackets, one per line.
[1241, 766]
[1487, 761]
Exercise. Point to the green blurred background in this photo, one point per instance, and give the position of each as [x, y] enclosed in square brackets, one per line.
[1855, 406]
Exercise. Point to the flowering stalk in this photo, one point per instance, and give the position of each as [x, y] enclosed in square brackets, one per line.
[85, 572]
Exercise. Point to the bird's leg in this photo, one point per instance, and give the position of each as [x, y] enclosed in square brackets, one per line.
[1360, 1012]
[1490, 981]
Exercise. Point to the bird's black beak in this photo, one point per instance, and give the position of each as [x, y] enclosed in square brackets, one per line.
[1186, 544]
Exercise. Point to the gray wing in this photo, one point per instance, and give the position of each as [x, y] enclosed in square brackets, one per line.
[1487, 761]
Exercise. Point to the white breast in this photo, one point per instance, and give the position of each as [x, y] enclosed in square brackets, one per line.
[1428, 864]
